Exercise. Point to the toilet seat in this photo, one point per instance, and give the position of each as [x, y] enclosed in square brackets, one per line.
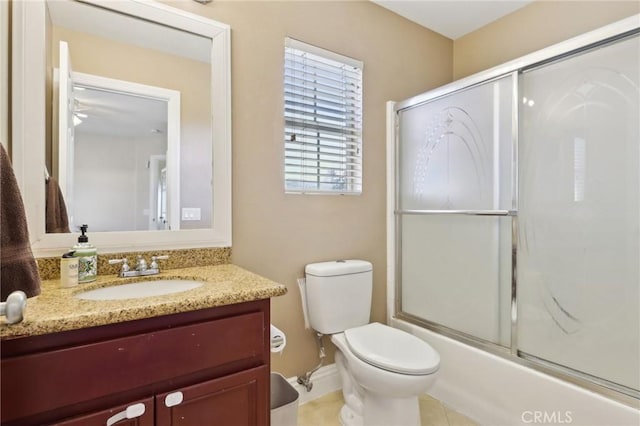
[391, 349]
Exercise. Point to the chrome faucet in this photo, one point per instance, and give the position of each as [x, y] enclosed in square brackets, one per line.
[141, 265]
[141, 269]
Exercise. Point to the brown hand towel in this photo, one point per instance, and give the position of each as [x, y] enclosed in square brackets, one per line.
[56, 219]
[18, 267]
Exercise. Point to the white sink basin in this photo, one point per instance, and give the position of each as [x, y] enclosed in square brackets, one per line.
[139, 290]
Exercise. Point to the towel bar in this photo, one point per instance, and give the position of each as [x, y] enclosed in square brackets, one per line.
[14, 307]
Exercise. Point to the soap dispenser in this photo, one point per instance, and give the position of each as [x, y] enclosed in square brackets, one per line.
[87, 256]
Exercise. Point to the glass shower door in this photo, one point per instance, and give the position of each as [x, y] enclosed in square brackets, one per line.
[455, 198]
[579, 217]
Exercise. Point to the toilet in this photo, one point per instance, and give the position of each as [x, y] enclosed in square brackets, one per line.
[383, 369]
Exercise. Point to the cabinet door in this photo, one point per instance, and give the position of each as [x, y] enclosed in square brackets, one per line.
[239, 399]
[138, 413]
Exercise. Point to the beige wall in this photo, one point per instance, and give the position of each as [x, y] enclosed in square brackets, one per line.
[531, 28]
[275, 234]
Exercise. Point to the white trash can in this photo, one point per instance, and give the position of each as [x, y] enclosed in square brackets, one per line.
[284, 402]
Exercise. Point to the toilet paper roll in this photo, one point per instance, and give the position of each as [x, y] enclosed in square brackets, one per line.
[278, 339]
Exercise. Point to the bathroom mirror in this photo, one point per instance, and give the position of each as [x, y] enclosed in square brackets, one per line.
[145, 29]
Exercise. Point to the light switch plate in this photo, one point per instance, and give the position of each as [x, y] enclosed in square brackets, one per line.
[192, 213]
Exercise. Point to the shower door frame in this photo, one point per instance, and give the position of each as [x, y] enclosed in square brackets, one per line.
[609, 34]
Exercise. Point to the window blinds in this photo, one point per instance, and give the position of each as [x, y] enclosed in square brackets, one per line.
[323, 121]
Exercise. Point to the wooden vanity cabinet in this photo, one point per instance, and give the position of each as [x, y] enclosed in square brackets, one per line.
[206, 367]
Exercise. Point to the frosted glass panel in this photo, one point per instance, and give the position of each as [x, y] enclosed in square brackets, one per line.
[456, 151]
[579, 254]
[456, 271]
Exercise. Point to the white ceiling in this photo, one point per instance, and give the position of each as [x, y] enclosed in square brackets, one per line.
[452, 18]
[118, 114]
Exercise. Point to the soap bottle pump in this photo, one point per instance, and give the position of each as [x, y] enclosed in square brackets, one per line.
[87, 256]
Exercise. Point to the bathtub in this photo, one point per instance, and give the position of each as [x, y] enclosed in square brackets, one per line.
[495, 391]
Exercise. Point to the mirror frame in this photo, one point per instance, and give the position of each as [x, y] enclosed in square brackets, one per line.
[4, 73]
[28, 129]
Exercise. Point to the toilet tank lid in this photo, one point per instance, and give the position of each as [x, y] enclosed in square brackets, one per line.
[338, 267]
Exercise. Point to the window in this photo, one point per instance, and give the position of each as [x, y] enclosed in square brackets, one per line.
[323, 121]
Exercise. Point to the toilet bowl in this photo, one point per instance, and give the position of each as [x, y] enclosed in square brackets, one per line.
[383, 369]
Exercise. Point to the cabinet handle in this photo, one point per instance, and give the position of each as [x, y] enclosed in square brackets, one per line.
[173, 399]
[132, 411]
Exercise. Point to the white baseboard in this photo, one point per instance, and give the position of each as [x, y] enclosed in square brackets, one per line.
[325, 380]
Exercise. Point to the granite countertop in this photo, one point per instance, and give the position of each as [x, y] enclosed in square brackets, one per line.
[56, 309]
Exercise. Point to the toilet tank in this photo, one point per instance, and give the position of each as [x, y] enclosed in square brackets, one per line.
[338, 294]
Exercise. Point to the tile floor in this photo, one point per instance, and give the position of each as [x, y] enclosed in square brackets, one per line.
[324, 412]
